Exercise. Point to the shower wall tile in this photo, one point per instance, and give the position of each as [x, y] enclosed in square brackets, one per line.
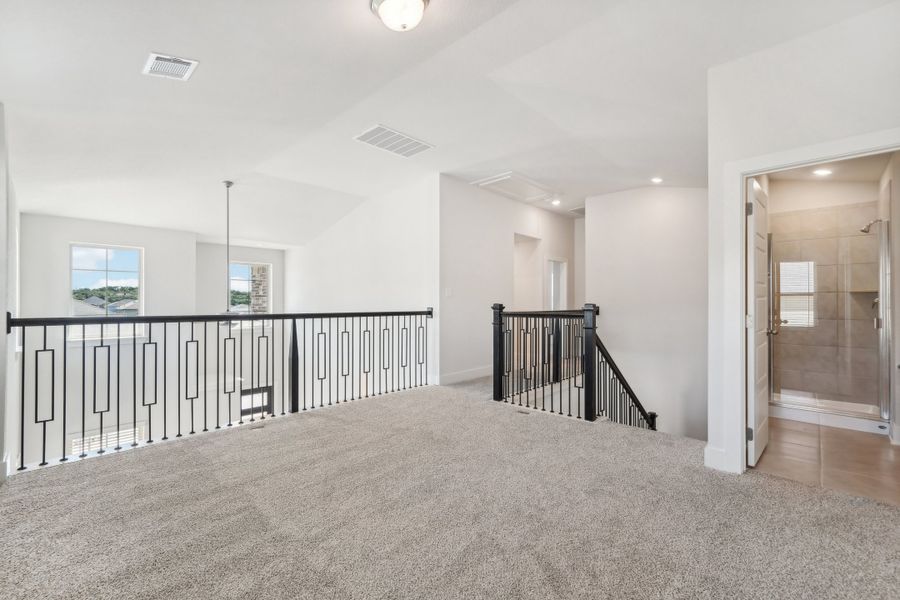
[858, 362]
[821, 359]
[823, 251]
[826, 278]
[821, 383]
[861, 333]
[858, 277]
[824, 333]
[858, 249]
[826, 306]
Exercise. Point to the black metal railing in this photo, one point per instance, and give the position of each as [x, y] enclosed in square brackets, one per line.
[554, 360]
[90, 385]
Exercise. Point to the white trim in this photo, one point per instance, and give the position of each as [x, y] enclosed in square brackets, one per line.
[717, 458]
[828, 420]
[467, 375]
[727, 318]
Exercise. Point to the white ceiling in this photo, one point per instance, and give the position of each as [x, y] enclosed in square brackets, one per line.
[865, 169]
[583, 96]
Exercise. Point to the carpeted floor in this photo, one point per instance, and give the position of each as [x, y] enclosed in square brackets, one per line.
[434, 493]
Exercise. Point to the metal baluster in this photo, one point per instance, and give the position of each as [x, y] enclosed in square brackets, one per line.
[65, 364]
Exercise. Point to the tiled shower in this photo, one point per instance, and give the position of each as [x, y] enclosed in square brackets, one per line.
[827, 279]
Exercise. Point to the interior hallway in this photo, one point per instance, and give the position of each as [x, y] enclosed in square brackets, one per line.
[854, 462]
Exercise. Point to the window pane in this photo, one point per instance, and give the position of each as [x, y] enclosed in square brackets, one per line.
[124, 260]
[88, 293]
[87, 258]
[240, 271]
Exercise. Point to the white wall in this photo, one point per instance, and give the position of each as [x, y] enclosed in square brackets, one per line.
[381, 256]
[478, 230]
[824, 95]
[212, 289]
[790, 195]
[527, 274]
[578, 264]
[645, 267]
[169, 282]
[5, 226]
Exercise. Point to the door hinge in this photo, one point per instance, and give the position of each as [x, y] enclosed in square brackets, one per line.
[749, 206]
[749, 434]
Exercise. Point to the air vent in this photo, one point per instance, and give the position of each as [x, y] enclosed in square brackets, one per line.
[517, 187]
[577, 211]
[170, 67]
[393, 141]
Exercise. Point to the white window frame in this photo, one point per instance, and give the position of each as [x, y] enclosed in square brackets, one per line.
[271, 270]
[125, 335]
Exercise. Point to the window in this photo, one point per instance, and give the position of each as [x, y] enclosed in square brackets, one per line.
[797, 293]
[106, 281]
[250, 283]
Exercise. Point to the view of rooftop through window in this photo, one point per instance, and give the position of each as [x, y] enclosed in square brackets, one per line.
[106, 281]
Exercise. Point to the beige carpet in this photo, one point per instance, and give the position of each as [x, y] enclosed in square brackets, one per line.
[434, 493]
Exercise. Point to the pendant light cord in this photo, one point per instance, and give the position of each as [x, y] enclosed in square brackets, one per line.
[228, 185]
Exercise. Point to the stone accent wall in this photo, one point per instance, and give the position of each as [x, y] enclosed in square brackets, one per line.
[259, 288]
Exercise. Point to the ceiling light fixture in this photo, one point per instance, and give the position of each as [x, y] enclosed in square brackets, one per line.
[656, 180]
[822, 172]
[399, 15]
[556, 202]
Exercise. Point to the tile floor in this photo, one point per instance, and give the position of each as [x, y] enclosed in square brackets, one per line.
[857, 463]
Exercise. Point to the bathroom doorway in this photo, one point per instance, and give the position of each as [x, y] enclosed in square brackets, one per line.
[819, 332]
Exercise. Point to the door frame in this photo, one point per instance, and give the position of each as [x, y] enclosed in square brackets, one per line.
[727, 400]
[548, 276]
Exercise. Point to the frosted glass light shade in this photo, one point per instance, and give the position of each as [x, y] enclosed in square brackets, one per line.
[400, 15]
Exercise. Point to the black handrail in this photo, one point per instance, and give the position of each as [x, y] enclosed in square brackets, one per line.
[650, 417]
[140, 319]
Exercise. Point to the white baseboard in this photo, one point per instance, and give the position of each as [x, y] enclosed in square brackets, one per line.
[828, 420]
[895, 434]
[717, 458]
[4, 469]
[467, 375]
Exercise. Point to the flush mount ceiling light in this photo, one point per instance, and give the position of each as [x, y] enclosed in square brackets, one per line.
[656, 180]
[399, 15]
[556, 202]
[822, 172]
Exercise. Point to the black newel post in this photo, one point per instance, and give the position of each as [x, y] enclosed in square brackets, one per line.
[590, 362]
[295, 369]
[498, 351]
[652, 420]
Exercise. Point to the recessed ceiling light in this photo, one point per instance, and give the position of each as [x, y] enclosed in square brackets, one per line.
[555, 202]
[822, 172]
[656, 180]
[400, 15]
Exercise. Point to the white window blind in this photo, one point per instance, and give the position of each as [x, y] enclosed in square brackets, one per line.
[797, 291]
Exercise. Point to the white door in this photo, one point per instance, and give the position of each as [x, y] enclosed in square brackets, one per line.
[758, 326]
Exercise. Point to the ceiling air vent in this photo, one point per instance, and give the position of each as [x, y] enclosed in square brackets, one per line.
[578, 212]
[170, 67]
[393, 141]
[517, 187]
